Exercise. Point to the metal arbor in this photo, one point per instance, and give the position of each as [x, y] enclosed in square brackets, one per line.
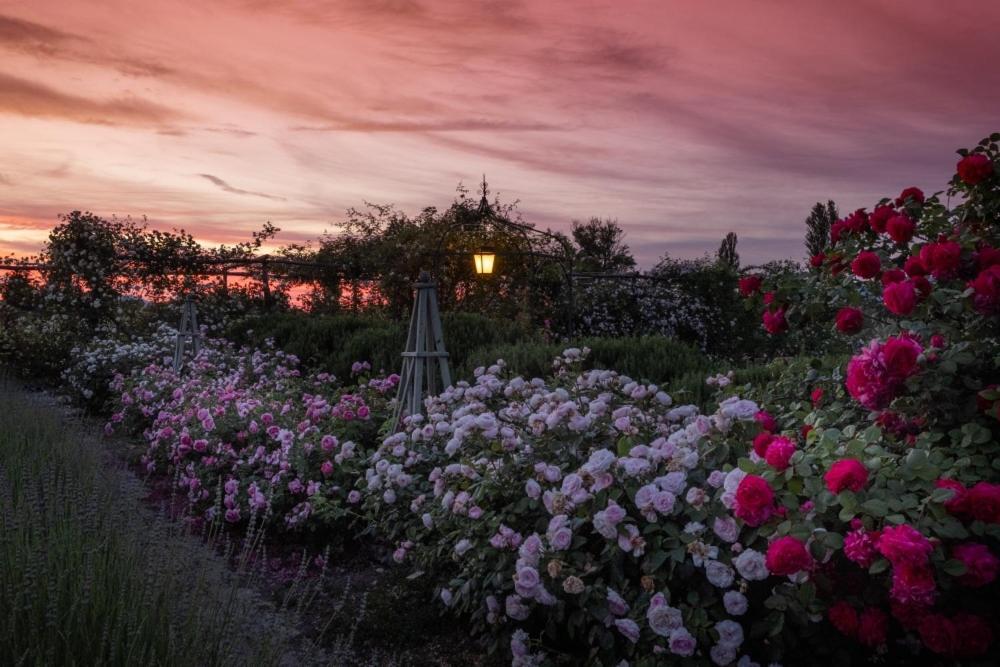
[425, 360]
[188, 329]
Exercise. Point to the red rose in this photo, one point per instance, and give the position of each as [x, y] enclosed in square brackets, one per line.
[900, 228]
[754, 500]
[816, 397]
[749, 285]
[766, 421]
[904, 544]
[914, 267]
[909, 615]
[806, 430]
[974, 169]
[768, 298]
[941, 258]
[843, 617]
[857, 222]
[987, 257]
[980, 564]
[913, 584]
[816, 261]
[959, 503]
[873, 625]
[890, 276]
[850, 320]
[848, 474]
[774, 321]
[836, 230]
[984, 502]
[939, 634]
[787, 555]
[900, 298]
[761, 442]
[779, 452]
[923, 286]
[879, 217]
[986, 290]
[866, 264]
[916, 194]
[900, 354]
[938, 341]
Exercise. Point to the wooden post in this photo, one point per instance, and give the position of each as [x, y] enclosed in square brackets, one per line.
[425, 369]
[188, 329]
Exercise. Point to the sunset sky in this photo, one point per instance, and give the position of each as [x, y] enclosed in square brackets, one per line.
[683, 120]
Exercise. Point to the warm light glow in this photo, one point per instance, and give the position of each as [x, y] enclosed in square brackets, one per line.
[484, 262]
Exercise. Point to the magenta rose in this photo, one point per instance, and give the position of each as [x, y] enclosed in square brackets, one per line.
[787, 555]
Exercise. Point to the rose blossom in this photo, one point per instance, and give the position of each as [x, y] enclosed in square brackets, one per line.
[910, 194]
[900, 298]
[766, 421]
[900, 228]
[983, 501]
[629, 628]
[872, 627]
[846, 474]
[774, 321]
[859, 545]
[779, 452]
[754, 500]
[850, 320]
[843, 617]
[735, 603]
[866, 265]
[787, 555]
[941, 258]
[904, 544]
[980, 564]
[761, 441]
[974, 169]
[751, 565]
[749, 285]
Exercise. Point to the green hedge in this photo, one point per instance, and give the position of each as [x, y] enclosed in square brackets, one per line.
[334, 342]
[650, 358]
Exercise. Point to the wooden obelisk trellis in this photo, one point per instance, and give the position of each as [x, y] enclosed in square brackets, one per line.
[425, 361]
[187, 331]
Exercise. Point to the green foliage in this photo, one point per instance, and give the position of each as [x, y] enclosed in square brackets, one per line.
[600, 247]
[818, 225]
[727, 251]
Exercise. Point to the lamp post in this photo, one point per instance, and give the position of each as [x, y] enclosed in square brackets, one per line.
[483, 261]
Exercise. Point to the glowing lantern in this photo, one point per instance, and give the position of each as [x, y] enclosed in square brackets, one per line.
[484, 261]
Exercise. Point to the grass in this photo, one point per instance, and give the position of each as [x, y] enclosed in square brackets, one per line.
[88, 576]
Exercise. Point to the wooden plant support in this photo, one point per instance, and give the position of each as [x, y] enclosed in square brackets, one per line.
[425, 360]
[188, 329]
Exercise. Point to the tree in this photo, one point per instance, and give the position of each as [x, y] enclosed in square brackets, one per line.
[818, 224]
[727, 251]
[600, 248]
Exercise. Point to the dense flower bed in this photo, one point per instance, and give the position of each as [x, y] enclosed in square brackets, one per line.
[245, 434]
[849, 512]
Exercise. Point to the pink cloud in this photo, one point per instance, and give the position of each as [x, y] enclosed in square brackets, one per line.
[684, 121]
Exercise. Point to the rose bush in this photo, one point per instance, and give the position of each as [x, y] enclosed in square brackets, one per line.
[899, 444]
